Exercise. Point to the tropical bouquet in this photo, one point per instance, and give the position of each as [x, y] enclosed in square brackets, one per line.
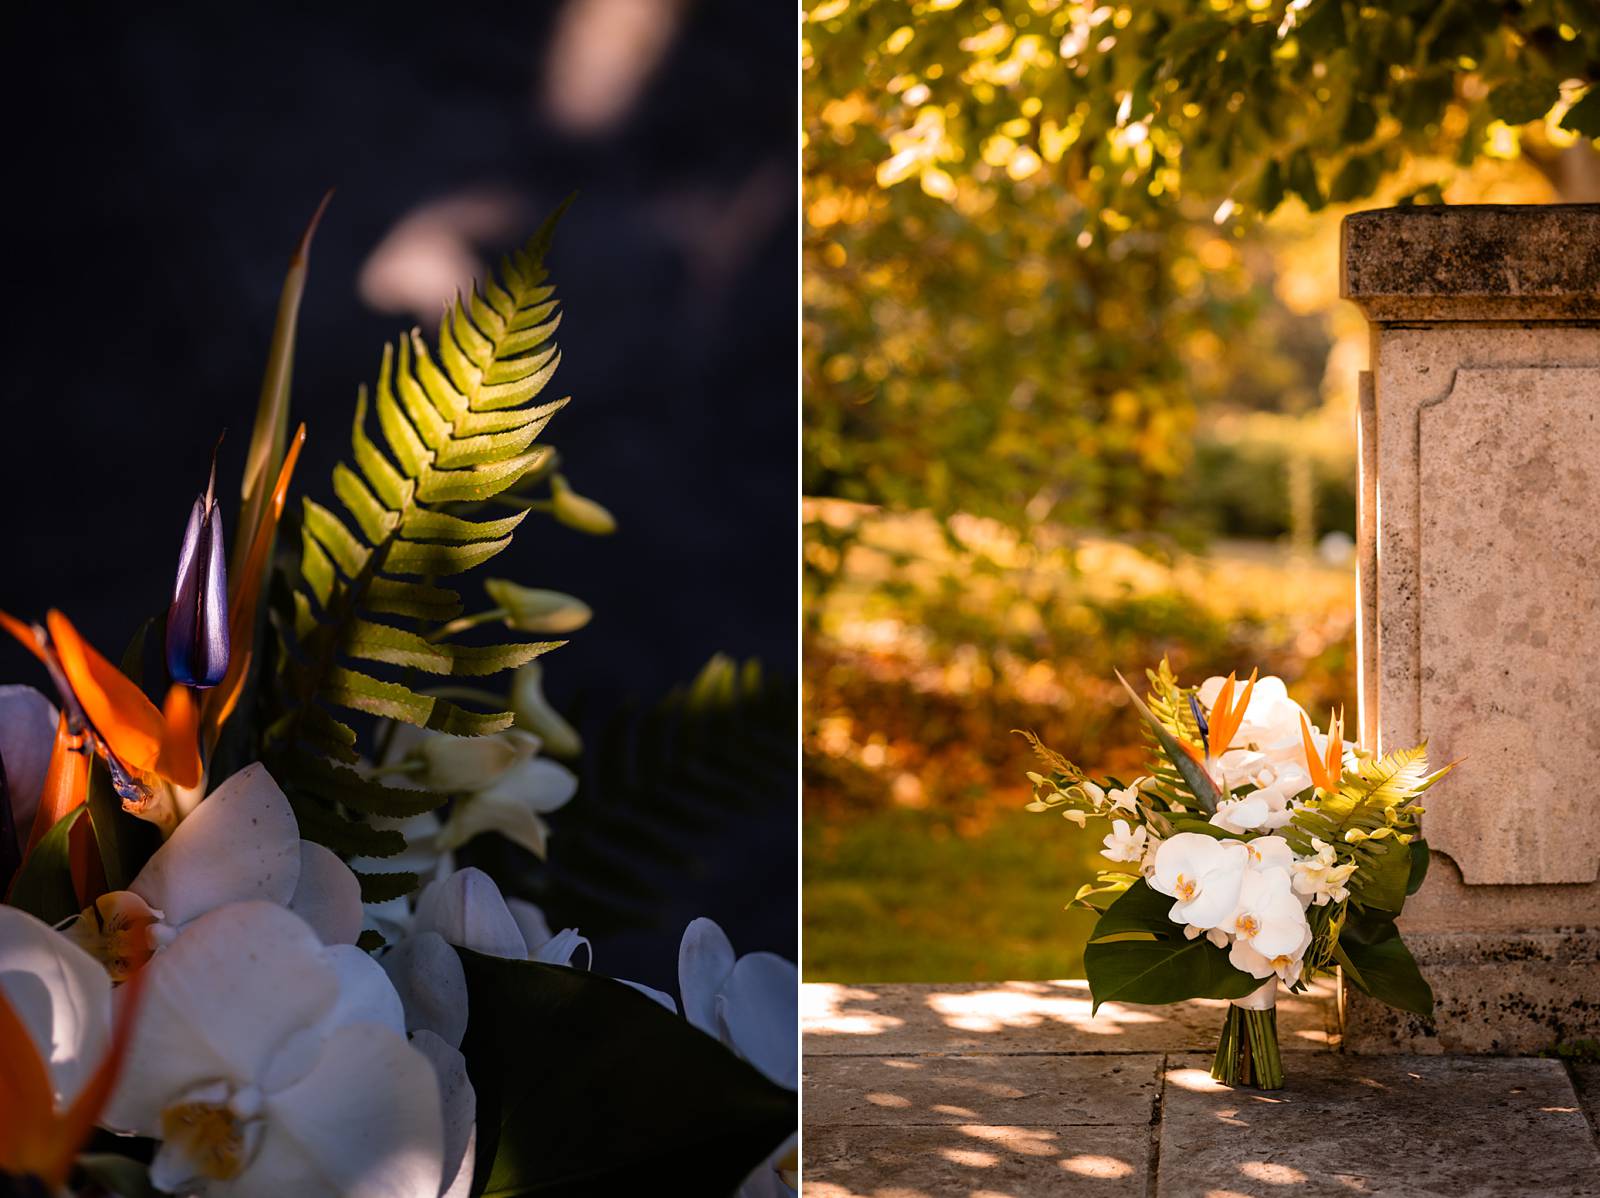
[1259, 851]
[242, 936]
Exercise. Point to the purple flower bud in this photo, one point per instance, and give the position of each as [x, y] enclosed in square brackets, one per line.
[1200, 719]
[197, 621]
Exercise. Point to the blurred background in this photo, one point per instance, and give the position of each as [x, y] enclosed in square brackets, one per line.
[1079, 392]
[171, 156]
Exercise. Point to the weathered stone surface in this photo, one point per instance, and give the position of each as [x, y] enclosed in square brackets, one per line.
[1586, 1080]
[975, 1161]
[1509, 483]
[1480, 459]
[1421, 1127]
[1477, 262]
[1029, 1017]
[1494, 992]
[1013, 1089]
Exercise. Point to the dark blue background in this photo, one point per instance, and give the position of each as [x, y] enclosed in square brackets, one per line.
[161, 163]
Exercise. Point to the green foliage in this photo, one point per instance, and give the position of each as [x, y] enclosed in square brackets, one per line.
[1197, 786]
[1376, 960]
[43, 886]
[1150, 960]
[585, 1086]
[1020, 217]
[708, 755]
[459, 427]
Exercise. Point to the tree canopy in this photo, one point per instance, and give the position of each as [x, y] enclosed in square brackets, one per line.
[1018, 216]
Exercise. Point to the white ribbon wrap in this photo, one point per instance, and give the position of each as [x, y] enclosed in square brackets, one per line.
[1263, 999]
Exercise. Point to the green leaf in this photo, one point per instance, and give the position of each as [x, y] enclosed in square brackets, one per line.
[43, 886]
[1162, 971]
[458, 426]
[642, 1093]
[1583, 118]
[1383, 876]
[1201, 787]
[1518, 101]
[381, 887]
[125, 842]
[1269, 187]
[115, 1174]
[1420, 857]
[1382, 965]
[270, 436]
[1303, 179]
[1140, 909]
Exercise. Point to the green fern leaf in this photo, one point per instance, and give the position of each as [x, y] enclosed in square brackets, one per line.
[454, 426]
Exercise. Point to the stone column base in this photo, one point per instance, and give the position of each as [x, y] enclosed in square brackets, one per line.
[1506, 993]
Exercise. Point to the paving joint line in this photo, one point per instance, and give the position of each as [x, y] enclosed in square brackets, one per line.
[1152, 1170]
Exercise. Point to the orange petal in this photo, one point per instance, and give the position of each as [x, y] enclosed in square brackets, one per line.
[1314, 763]
[1223, 723]
[26, 637]
[66, 782]
[223, 698]
[27, 1105]
[119, 710]
[180, 738]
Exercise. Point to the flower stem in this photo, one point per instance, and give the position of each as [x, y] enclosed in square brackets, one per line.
[1247, 1051]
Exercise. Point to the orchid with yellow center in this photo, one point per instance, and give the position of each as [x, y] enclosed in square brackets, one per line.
[1321, 879]
[1204, 874]
[269, 1064]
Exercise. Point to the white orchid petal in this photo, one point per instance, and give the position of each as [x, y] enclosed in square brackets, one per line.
[327, 895]
[467, 910]
[219, 1003]
[562, 947]
[62, 996]
[705, 959]
[531, 922]
[27, 738]
[666, 1000]
[458, 1103]
[432, 985]
[366, 1122]
[366, 995]
[759, 1011]
[537, 783]
[241, 843]
[501, 812]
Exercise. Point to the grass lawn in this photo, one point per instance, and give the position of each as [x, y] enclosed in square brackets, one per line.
[902, 896]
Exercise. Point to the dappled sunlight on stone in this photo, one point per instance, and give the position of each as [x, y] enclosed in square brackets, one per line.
[823, 1011]
[970, 1157]
[1029, 1141]
[1272, 1173]
[1198, 1080]
[888, 1100]
[1092, 1165]
[1024, 1004]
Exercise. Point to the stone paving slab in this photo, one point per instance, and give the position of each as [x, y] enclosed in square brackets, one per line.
[1012, 1090]
[1421, 1127]
[1030, 1017]
[975, 1161]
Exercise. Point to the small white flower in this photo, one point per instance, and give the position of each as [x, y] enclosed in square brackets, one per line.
[1127, 799]
[1321, 878]
[1081, 818]
[1244, 814]
[1203, 874]
[1125, 844]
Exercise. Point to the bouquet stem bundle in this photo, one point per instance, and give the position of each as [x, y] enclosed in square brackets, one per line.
[1247, 1053]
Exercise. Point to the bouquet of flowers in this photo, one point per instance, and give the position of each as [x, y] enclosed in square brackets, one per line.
[236, 936]
[1258, 851]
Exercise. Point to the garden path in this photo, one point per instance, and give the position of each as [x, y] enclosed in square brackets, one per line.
[1012, 1089]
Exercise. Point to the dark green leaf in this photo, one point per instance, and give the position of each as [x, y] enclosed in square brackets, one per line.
[43, 886]
[116, 1175]
[585, 1086]
[1583, 118]
[1162, 971]
[1139, 909]
[1384, 967]
[1518, 101]
[1419, 865]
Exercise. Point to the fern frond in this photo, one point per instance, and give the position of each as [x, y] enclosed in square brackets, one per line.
[455, 425]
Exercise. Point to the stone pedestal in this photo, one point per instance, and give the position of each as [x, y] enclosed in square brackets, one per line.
[1479, 621]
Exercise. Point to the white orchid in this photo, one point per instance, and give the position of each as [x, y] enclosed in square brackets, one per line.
[1321, 878]
[27, 735]
[504, 784]
[750, 1004]
[1127, 798]
[1269, 918]
[241, 843]
[1203, 874]
[1269, 852]
[1125, 844]
[62, 997]
[268, 1063]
